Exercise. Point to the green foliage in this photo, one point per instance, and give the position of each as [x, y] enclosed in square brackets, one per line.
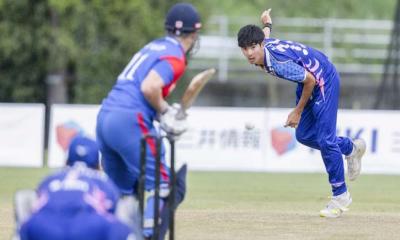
[360, 9]
[106, 33]
[89, 42]
[22, 52]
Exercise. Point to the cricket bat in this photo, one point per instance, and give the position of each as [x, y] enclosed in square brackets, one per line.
[192, 91]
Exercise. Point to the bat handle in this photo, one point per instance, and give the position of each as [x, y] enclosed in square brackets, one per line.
[181, 114]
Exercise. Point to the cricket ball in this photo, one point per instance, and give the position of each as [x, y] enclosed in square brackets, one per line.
[249, 126]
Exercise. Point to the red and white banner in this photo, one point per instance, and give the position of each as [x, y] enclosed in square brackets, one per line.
[67, 121]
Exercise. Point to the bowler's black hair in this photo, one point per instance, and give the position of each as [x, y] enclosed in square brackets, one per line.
[250, 35]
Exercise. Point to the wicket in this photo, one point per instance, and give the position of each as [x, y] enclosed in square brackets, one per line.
[172, 185]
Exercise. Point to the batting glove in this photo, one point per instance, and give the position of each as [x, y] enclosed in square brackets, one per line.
[172, 121]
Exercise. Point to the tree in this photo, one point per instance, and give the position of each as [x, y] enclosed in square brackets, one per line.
[23, 50]
[87, 42]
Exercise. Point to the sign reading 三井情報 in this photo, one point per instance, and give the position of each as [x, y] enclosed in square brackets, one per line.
[219, 138]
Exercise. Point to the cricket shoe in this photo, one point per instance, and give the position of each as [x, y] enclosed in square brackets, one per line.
[354, 159]
[336, 206]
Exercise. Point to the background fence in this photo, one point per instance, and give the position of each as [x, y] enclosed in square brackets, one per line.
[358, 48]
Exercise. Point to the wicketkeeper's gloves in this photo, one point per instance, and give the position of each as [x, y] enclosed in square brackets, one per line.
[173, 120]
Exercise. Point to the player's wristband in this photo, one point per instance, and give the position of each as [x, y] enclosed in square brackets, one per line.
[268, 25]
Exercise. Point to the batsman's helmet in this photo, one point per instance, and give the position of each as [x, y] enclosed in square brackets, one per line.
[83, 149]
[182, 18]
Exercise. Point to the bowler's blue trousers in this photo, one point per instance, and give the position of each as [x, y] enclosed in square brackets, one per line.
[317, 129]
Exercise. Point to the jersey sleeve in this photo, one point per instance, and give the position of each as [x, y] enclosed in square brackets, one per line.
[178, 66]
[164, 69]
[288, 70]
[170, 69]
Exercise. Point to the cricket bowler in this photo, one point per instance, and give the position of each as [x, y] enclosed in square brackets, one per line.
[314, 116]
[137, 99]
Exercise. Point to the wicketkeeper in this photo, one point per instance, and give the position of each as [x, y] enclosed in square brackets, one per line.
[137, 99]
[76, 203]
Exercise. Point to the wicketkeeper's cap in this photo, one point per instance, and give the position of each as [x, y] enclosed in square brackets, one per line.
[85, 150]
[182, 18]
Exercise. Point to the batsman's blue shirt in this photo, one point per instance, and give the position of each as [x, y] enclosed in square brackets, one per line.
[166, 56]
[290, 60]
[126, 115]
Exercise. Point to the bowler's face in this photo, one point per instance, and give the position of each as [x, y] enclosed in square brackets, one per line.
[254, 54]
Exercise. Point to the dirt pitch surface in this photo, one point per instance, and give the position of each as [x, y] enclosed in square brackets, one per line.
[222, 205]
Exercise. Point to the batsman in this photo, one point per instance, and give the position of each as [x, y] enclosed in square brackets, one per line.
[137, 99]
[314, 116]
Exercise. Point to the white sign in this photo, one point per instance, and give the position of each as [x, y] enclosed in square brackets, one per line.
[377, 128]
[224, 139]
[380, 131]
[284, 152]
[66, 122]
[247, 139]
[21, 135]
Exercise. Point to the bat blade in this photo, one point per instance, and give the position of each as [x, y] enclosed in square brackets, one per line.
[195, 86]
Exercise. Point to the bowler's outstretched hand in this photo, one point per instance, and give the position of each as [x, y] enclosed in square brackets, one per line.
[266, 17]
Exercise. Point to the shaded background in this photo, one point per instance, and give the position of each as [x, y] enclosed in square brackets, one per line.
[71, 50]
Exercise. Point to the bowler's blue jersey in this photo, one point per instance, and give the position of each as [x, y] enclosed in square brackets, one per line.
[166, 56]
[78, 187]
[290, 60]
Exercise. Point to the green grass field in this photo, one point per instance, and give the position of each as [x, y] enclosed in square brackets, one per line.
[231, 205]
